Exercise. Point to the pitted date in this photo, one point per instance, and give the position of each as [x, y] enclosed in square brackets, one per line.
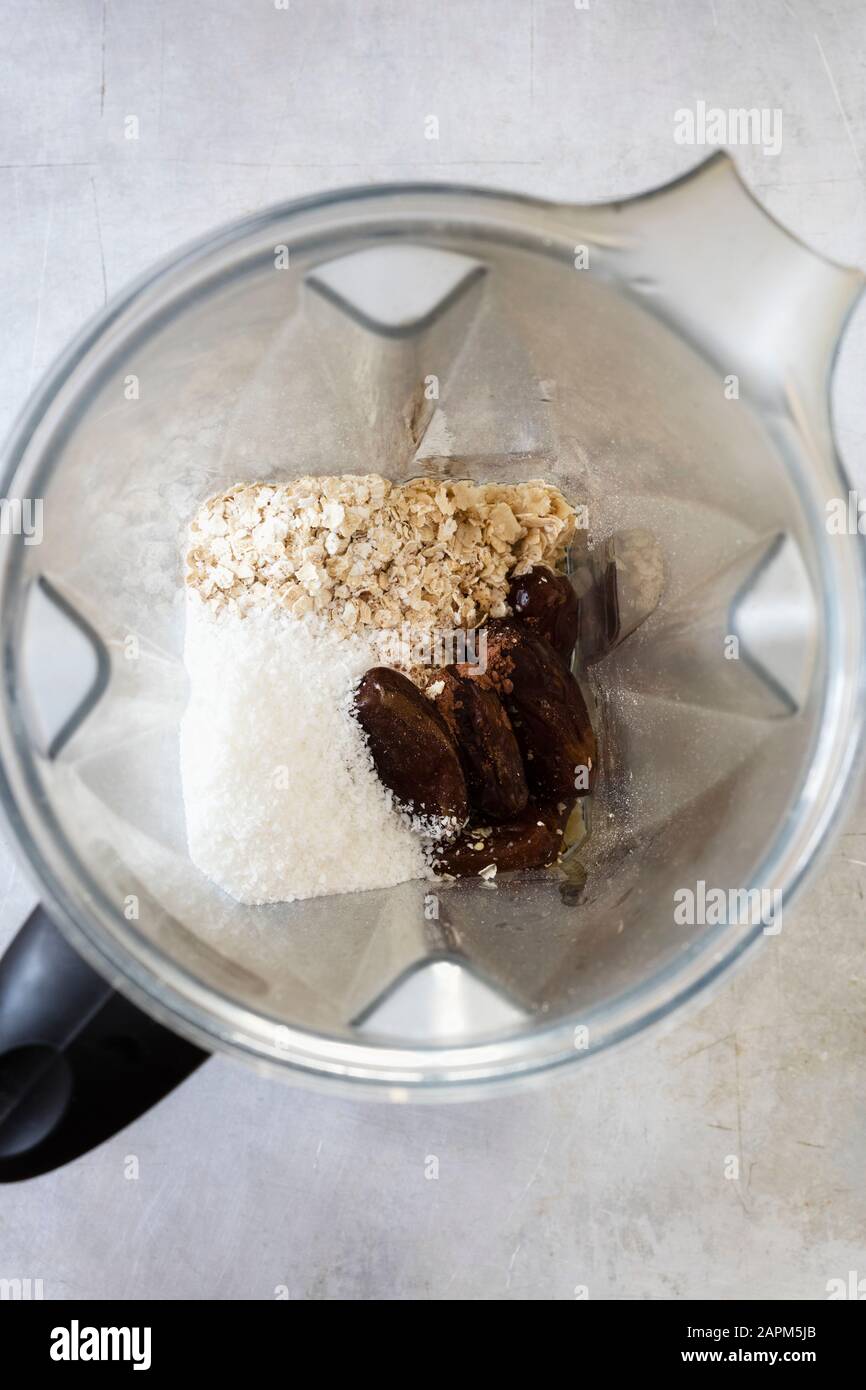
[488, 749]
[547, 710]
[546, 602]
[411, 745]
[551, 722]
[531, 840]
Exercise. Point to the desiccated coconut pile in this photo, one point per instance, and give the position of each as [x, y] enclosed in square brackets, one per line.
[288, 586]
[281, 797]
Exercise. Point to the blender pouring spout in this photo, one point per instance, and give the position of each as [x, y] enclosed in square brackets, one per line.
[705, 256]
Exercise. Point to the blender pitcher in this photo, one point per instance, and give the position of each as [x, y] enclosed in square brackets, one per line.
[664, 361]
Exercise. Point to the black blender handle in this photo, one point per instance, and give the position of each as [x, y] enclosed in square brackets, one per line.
[78, 1061]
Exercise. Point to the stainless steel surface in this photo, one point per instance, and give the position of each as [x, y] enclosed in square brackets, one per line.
[544, 1184]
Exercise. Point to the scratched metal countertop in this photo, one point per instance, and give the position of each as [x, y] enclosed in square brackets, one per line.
[611, 1181]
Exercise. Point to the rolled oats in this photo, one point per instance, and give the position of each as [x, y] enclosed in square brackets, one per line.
[362, 552]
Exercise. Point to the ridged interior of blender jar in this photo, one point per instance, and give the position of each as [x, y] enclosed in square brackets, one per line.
[540, 370]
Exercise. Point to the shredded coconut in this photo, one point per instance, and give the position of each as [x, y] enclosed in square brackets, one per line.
[282, 799]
